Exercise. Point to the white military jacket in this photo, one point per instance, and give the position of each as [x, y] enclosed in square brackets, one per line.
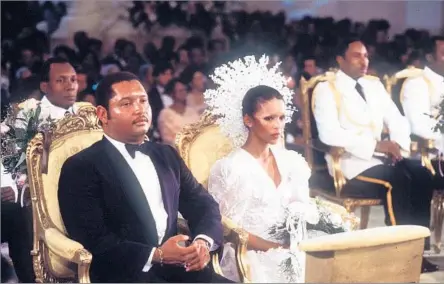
[420, 97]
[345, 119]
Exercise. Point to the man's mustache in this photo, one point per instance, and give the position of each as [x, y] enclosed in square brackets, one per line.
[141, 119]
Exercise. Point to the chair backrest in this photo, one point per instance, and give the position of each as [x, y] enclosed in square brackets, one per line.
[315, 159]
[45, 156]
[200, 145]
[377, 255]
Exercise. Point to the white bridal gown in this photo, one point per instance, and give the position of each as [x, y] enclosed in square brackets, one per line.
[248, 196]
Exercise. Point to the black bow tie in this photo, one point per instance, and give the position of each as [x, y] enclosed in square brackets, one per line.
[132, 148]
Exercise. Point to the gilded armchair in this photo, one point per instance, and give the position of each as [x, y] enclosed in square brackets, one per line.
[421, 146]
[200, 145]
[57, 258]
[321, 183]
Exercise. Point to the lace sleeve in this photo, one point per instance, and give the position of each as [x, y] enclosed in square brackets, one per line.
[224, 186]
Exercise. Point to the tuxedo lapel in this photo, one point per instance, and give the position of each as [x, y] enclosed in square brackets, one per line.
[165, 179]
[129, 184]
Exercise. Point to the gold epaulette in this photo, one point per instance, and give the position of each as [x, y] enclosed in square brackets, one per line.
[413, 73]
[409, 72]
[371, 77]
[327, 76]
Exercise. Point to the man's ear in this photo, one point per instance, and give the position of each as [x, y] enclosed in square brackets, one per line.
[339, 60]
[44, 87]
[102, 114]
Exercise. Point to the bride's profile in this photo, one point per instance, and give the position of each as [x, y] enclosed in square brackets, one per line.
[260, 185]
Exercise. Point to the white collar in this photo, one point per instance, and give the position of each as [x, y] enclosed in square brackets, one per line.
[433, 76]
[160, 89]
[46, 103]
[119, 145]
[345, 79]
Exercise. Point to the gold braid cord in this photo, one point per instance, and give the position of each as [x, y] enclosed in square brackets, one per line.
[389, 188]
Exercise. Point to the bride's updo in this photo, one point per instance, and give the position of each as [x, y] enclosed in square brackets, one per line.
[257, 95]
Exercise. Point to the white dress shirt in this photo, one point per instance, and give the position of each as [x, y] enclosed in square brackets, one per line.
[345, 119]
[48, 109]
[421, 96]
[146, 174]
[166, 100]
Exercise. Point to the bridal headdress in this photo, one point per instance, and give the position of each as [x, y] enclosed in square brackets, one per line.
[233, 80]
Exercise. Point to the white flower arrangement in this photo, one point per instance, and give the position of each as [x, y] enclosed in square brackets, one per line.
[300, 217]
[17, 132]
[315, 216]
[29, 105]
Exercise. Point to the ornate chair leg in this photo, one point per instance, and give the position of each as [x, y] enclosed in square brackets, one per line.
[365, 214]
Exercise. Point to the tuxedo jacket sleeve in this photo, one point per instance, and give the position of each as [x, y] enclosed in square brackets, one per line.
[196, 205]
[81, 206]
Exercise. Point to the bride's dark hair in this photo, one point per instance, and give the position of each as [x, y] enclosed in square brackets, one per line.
[257, 95]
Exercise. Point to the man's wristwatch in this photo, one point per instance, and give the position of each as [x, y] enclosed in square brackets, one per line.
[207, 244]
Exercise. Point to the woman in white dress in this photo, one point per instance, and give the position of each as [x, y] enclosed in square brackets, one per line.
[260, 182]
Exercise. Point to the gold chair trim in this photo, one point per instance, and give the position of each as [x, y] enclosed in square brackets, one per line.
[36, 159]
[389, 188]
[232, 233]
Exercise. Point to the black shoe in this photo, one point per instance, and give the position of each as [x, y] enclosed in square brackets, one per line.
[428, 267]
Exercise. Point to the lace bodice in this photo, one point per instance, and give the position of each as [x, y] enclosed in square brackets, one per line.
[249, 197]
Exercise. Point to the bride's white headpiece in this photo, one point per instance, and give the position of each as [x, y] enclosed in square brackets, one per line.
[234, 80]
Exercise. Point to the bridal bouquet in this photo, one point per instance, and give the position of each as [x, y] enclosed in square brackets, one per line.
[17, 132]
[300, 218]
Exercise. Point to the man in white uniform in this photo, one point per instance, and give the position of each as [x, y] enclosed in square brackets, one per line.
[59, 84]
[351, 111]
[420, 97]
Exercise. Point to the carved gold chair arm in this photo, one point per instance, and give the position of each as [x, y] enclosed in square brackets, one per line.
[335, 153]
[239, 237]
[424, 147]
[69, 250]
[338, 176]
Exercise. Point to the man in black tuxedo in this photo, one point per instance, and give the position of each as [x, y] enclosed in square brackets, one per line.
[120, 198]
[157, 98]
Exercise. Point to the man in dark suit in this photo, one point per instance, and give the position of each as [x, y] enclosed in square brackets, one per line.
[120, 198]
[17, 232]
[163, 72]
